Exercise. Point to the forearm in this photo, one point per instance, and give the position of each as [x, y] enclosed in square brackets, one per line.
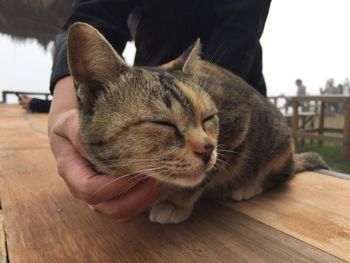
[64, 100]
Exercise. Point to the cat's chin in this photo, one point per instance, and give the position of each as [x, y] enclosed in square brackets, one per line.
[189, 180]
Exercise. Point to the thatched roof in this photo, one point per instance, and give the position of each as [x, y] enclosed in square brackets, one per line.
[40, 19]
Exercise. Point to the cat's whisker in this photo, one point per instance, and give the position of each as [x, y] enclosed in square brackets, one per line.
[221, 55]
[204, 84]
[134, 184]
[222, 164]
[229, 151]
[135, 165]
[140, 179]
[126, 160]
[116, 165]
[222, 148]
[222, 161]
[158, 170]
[137, 173]
[214, 54]
[150, 188]
[226, 154]
[118, 161]
[91, 166]
[225, 157]
[127, 190]
[221, 168]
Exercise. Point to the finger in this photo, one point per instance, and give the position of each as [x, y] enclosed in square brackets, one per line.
[73, 168]
[106, 187]
[76, 170]
[134, 202]
[84, 182]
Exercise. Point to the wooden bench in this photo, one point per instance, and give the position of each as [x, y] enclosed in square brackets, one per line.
[307, 220]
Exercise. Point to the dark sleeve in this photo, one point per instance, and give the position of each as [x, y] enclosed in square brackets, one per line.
[108, 16]
[38, 105]
[235, 41]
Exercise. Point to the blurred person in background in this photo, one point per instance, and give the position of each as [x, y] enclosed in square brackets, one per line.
[34, 105]
[301, 91]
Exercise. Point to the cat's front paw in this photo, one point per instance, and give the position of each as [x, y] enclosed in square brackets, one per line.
[165, 212]
[246, 192]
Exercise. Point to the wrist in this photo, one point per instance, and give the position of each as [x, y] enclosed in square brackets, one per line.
[64, 101]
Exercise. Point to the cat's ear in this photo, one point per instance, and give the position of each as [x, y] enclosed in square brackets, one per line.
[92, 61]
[192, 58]
[188, 62]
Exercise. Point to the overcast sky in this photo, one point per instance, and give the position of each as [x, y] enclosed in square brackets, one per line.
[307, 39]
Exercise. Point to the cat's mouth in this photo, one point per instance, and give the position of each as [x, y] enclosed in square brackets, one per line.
[192, 179]
[189, 180]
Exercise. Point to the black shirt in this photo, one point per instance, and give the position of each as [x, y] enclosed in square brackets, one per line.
[229, 31]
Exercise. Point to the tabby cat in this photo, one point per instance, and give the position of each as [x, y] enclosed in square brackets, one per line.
[189, 123]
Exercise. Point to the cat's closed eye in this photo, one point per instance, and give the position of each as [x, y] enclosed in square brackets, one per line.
[164, 123]
[210, 124]
[210, 118]
[168, 125]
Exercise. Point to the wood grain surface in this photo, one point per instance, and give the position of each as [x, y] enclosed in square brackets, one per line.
[44, 223]
[3, 252]
[313, 208]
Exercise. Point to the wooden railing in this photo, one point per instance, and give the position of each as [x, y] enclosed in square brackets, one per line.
[318, 133]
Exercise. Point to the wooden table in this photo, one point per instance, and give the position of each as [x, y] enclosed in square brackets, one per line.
[305, 221]
[318, 133]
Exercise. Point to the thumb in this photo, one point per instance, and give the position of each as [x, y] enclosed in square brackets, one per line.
[68, 127]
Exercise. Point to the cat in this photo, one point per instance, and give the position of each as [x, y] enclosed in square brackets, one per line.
[190, 124]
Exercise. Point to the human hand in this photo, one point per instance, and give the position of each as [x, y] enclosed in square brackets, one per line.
[122, 198]
[25, 102]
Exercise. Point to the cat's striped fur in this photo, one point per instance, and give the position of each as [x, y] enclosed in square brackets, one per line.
[188, 123]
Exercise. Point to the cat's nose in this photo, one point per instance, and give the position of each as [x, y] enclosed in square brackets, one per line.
[205, 152]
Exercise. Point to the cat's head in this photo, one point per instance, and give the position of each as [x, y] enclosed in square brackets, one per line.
[154, 121]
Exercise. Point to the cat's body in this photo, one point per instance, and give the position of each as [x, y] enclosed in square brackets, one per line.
[188, 123]
[254, 139]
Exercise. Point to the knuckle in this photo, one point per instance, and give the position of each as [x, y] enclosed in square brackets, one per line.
[88, 194]
[125, 219]
[83, 193]
[121, 215]
[115, 212]
[74, 192]
[91, 200]
[61, 171]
